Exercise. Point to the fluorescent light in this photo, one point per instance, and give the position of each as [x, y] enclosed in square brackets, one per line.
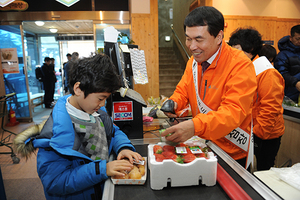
[121, 17]
[53, 30]
[101, 15]
[39, 23]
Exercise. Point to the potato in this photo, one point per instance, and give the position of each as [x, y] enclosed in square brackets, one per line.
[142, 169]
[135, 173]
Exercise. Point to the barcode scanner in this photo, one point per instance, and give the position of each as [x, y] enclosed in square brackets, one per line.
[168, 106]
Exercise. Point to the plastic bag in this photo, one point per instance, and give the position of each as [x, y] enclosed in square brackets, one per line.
[290, 175]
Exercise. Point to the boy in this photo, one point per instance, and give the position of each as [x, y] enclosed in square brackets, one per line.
[78, 137]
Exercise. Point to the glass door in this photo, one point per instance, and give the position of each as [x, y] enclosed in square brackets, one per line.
[15, 80]
[49, 47]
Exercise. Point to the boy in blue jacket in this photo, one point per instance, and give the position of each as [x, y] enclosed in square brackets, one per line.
[78, 137]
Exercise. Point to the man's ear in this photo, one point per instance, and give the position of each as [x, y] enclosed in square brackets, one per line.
[77, 90]
[220, 36]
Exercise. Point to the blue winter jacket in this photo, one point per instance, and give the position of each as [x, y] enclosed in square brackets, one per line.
[287, 63]
[64, 172]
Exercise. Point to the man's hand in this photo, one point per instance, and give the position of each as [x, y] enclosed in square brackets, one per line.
[171, 115]
[180, 132]
[126, 153]
[298, 86]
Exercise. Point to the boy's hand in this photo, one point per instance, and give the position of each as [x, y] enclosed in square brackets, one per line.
[126, 153]
[115, 168]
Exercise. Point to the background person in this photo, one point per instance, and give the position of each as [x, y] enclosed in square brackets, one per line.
[268, 122]
[288, 62]
[69, 57]
[52, 66]
[68, 66]
[221, 95]
[48, 82]
[78, 137]
[269, 52]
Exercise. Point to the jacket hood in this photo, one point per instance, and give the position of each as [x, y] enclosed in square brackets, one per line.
[21, 144]
[285, 44]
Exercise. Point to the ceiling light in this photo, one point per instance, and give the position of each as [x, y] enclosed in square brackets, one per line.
[39, 23]
[53, 30]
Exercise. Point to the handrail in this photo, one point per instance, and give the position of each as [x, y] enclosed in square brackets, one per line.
[187, 55]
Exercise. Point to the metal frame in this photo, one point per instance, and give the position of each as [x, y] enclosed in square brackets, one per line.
[257, 185]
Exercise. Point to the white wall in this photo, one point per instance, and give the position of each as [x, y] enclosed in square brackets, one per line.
[270, 8]
[140, 6]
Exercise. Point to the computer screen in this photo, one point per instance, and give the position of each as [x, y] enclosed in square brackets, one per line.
[113, 51]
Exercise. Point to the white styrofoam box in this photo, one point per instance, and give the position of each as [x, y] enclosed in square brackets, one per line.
[186, 174]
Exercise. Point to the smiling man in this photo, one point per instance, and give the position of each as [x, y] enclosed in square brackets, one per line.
[219, 83]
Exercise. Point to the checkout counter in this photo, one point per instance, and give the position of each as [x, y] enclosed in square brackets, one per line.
[289, 151]
[251, 185]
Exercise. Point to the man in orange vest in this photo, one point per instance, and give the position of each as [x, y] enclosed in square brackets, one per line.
[268, 122]
[220, 93]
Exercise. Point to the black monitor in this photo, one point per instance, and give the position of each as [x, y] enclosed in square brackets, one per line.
[112, 50]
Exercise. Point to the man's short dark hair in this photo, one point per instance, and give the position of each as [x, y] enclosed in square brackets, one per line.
[295, 29]
[95, 74]
[249, 39]
[69, 55]
[47, 59]
[205, 16]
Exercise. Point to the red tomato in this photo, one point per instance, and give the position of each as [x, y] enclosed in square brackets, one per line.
[157, 149]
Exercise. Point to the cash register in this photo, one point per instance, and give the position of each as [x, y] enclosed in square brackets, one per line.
[125, 106]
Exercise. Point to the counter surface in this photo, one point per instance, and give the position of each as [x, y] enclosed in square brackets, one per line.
[270, 178]
[251, 185]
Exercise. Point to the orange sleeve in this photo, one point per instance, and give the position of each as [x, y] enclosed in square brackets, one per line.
[268, 111]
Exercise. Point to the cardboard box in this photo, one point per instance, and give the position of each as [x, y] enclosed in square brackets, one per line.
[200, 170]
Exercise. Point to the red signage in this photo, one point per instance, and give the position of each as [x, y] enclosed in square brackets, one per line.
[123, 110]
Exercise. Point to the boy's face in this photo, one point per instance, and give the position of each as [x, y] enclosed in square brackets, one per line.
[91, 103]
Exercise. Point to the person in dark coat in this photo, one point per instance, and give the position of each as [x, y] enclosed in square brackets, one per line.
[287, 62]
[67, 68]
[48, 82]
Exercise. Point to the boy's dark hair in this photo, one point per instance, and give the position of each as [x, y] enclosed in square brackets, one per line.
[249, 39]
[68, 54]
[269, 51]
[95, 74]
[47, 59]
[205, 16]
[295, 29]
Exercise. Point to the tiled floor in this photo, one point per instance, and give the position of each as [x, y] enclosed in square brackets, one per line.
[21, 181]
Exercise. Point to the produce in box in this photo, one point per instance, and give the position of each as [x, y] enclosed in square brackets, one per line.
[180, 153]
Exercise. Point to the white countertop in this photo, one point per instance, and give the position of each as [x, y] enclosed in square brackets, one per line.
[283, 189]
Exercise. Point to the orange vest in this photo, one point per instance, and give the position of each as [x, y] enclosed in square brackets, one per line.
[227, 87]
[268, 122]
